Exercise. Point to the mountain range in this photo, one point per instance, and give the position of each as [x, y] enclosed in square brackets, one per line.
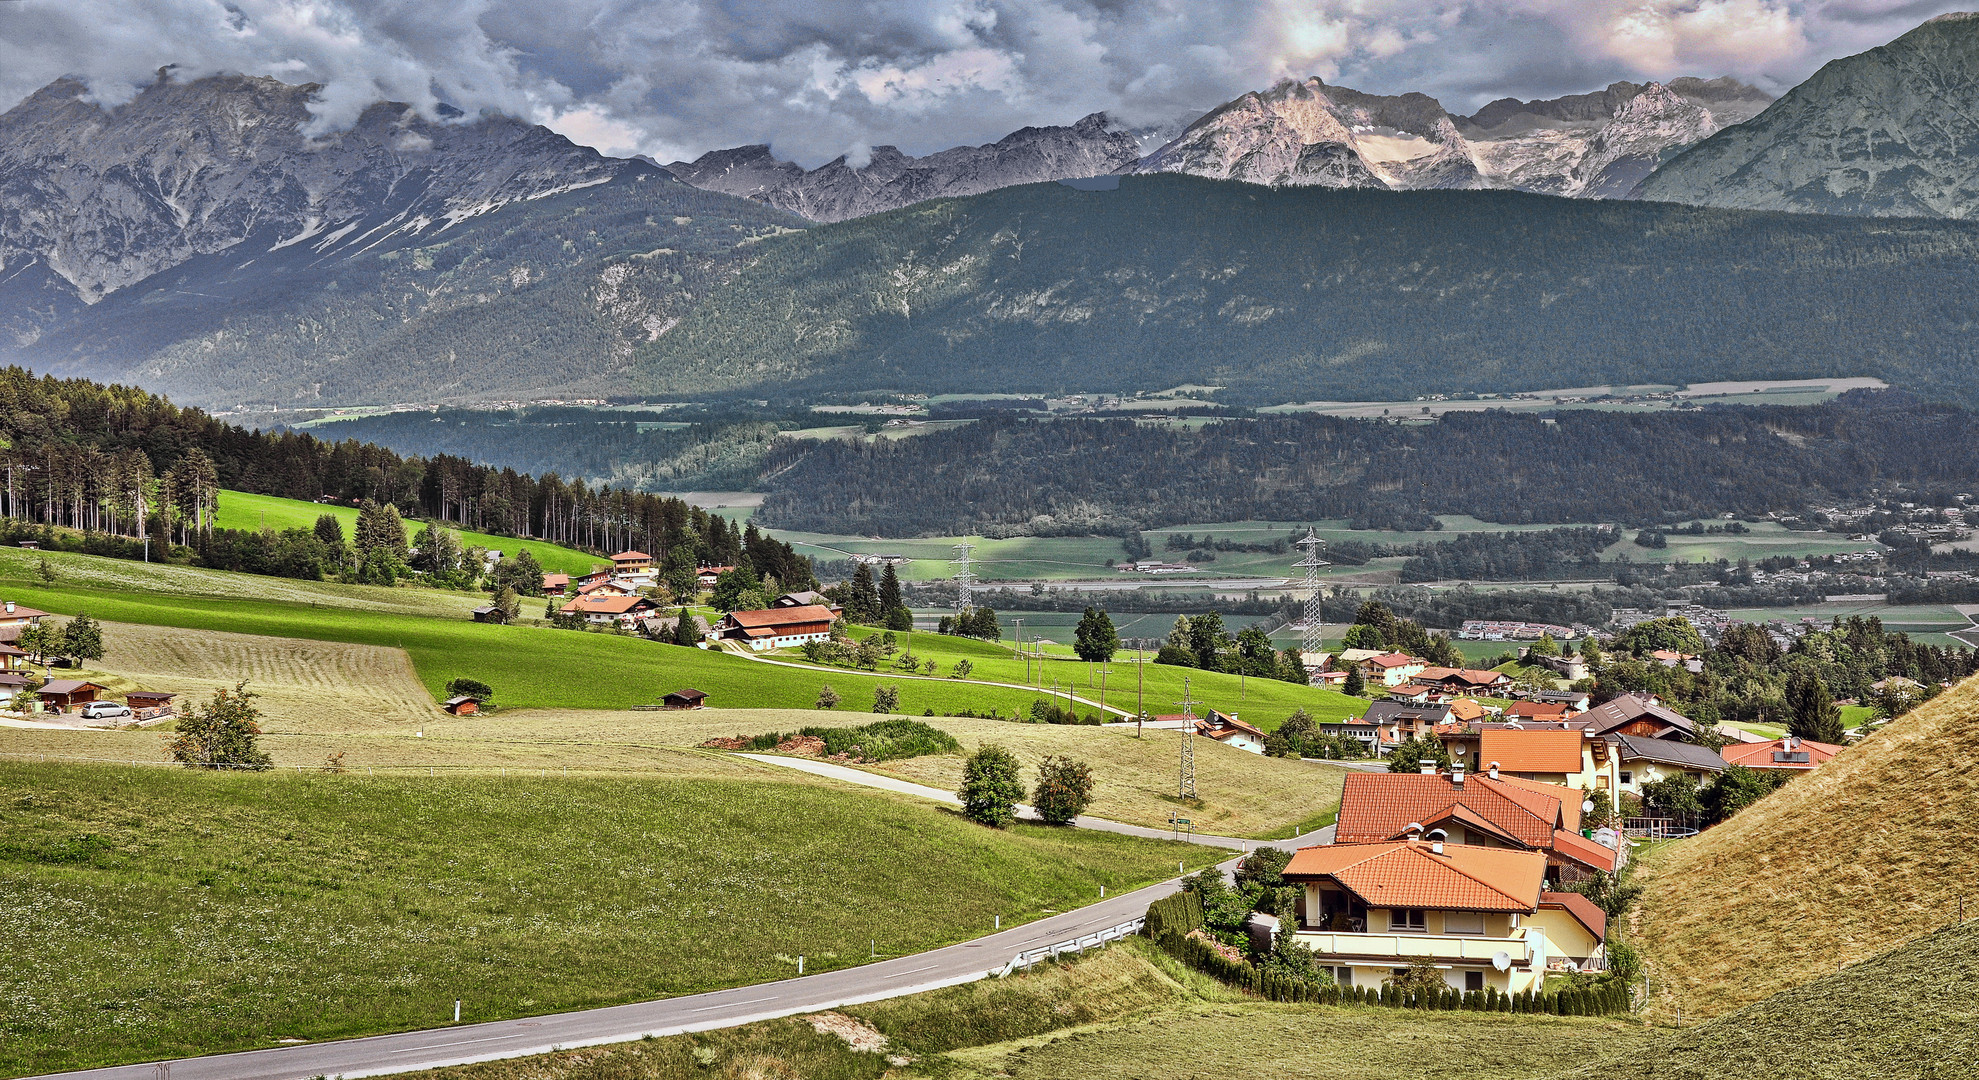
[1890, 132]
[196, 241]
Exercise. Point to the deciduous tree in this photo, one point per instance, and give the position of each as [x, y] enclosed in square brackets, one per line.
[1064, 789]
[991, 787]
[221, 733]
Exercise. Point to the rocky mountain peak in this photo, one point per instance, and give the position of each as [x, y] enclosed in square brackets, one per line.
[1887, 132]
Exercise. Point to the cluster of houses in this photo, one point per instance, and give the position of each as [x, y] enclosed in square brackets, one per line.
[63, 697]
[616, 597]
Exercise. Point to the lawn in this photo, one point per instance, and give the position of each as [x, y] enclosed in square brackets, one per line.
[240, 510]
[159, 912]
[1128, 1011]
[1130, 685]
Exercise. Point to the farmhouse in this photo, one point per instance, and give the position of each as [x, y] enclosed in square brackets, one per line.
[626, 562]
[15, 618]
[1231, 731]
[1463, 680]
[605, 610]
[1392, 669]
[1492, 811]
[461, 706]
[1371, 908]
[706, 575]
[775, 628]
[806, 599]
[1645, 761]
[556, 584]
[1634, 715]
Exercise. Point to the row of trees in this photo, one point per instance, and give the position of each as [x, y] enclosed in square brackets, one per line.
[1202, 641]
[993, 784]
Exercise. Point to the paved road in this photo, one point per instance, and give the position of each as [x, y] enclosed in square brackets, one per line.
[466, 1043]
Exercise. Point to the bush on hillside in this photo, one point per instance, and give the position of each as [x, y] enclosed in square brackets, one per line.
[991, 787]
[1065, 788]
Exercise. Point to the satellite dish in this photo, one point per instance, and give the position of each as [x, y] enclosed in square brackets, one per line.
[1587, 806]
[1501, 960]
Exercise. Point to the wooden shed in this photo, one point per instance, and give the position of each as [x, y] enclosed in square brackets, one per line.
[685, 699]
[61, 695]
[462, 706]
[150, 704]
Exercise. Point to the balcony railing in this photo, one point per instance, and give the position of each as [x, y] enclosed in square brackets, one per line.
[1408, 946]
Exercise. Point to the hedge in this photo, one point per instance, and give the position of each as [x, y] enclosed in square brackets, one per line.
[1176, 914]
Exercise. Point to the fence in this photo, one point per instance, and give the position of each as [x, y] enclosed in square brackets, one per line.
[1077, 945]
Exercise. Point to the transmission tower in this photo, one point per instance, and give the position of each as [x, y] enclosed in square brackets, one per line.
[1188, 784]
[963, 578]
[1309, 546]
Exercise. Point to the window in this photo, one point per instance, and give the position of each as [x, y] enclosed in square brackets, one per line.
[1463, 922]
[1344, 976]
[1628, 777]
[1407, 919]
[1473, 980]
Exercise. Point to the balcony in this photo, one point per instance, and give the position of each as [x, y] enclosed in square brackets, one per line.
[1404, 947]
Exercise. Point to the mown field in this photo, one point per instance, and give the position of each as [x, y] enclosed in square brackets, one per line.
[241, 510]
[1129, 1011]
[160, 912]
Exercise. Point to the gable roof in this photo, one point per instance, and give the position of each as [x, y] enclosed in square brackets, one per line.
[1776, 754]
[1388, 709]
[1583, 910]
[1605, 718]
[66, 686]
[1409, 875]
[1392, 660]
[687, 694]
[605, 605]
[1538, 710]
[632, 556]
[774, 617]
[1530, 751]
[1466, 709]
[1376, 807]
[1538, 797]
[1669, 752]
[1468, 676]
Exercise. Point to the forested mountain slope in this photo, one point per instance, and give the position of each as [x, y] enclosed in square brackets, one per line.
[1283, 294]
[1104, 476]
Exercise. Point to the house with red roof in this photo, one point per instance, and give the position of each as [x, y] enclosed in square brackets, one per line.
[775, 628]
[1392, 669]
[1473, 810]
[1576, 931]
[1790, 753]
[629, 562]
[1230, 731]
[604, 609]
[1463, 681]
[1371, 909]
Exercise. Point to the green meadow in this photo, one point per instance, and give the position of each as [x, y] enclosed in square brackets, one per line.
[157, 913]
[240, 510]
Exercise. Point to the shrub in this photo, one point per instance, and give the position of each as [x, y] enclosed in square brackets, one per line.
[470, 688]
[991, 787]
[1065, 788]
[886, 698]
[1177, 914]
[827, 697]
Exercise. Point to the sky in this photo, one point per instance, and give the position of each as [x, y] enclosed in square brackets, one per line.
[819, 78]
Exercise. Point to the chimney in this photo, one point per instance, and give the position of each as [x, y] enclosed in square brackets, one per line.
[10, 607]
[1494, 770]
[1436, 839]
[1414, 830]
[1429, 768]
[1457, 774]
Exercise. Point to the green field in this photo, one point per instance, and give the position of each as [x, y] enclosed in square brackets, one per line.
[240, 510]
[159, 912]
[1156, 687]
[529, 666]
[1762, 540]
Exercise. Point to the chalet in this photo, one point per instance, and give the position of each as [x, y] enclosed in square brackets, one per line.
[1466, 710]
[1392, 669]
[11, 683]
[597, 574]
[1647, 760]
[1548, 754]
[603, 610]
[61, 695]
[1230, 731]
[806, 599]
[1643, 718]
[1400, 721]
[1355, 657]
[1538, 711]
[1370, 909]
[1356, 728]
[1463, 681]
[1790, 754]
[461, 706]
[1668, 658]
[1492, 811]
[556, 584]
[608, 587]
[629, 562]
[15, 618]
[775, 628]
[1414, 694]
[707, 575]
[12, 658]
[689, 698]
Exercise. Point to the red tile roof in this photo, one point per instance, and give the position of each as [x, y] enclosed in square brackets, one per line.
[1530, 751]
[1393, 659]
[1581, 908]
[632, 556]
[1537, 710]
[1539, 796]
[1582, 850]
[1768, 755]
[773, 618]
[605, 605]
[1375, 807]
[1409, 875]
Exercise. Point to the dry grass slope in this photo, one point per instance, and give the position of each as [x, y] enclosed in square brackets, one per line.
[1834, 868]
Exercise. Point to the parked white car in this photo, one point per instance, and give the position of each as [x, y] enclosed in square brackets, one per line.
[101, 710]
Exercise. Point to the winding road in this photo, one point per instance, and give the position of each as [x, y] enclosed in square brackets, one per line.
[463, 1044]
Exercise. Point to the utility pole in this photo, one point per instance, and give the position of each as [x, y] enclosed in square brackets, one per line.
[1140, 686]
[1187, 787]
[1103, 670]
[963, 577]
[1020, 652]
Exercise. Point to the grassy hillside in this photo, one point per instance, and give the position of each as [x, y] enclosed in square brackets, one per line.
[1304, 293]
[159, 912]
[1908, 1014]
[529, 666]
[241, 510]
[1126, 1012]
[1832, 869]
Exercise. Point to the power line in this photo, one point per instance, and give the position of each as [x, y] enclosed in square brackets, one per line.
[1309, 547]
[1187, 787]
[963, 577]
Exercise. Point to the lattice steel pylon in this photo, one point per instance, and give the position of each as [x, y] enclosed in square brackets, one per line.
[1309, 547]
[963, 577]
[1187, 788]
